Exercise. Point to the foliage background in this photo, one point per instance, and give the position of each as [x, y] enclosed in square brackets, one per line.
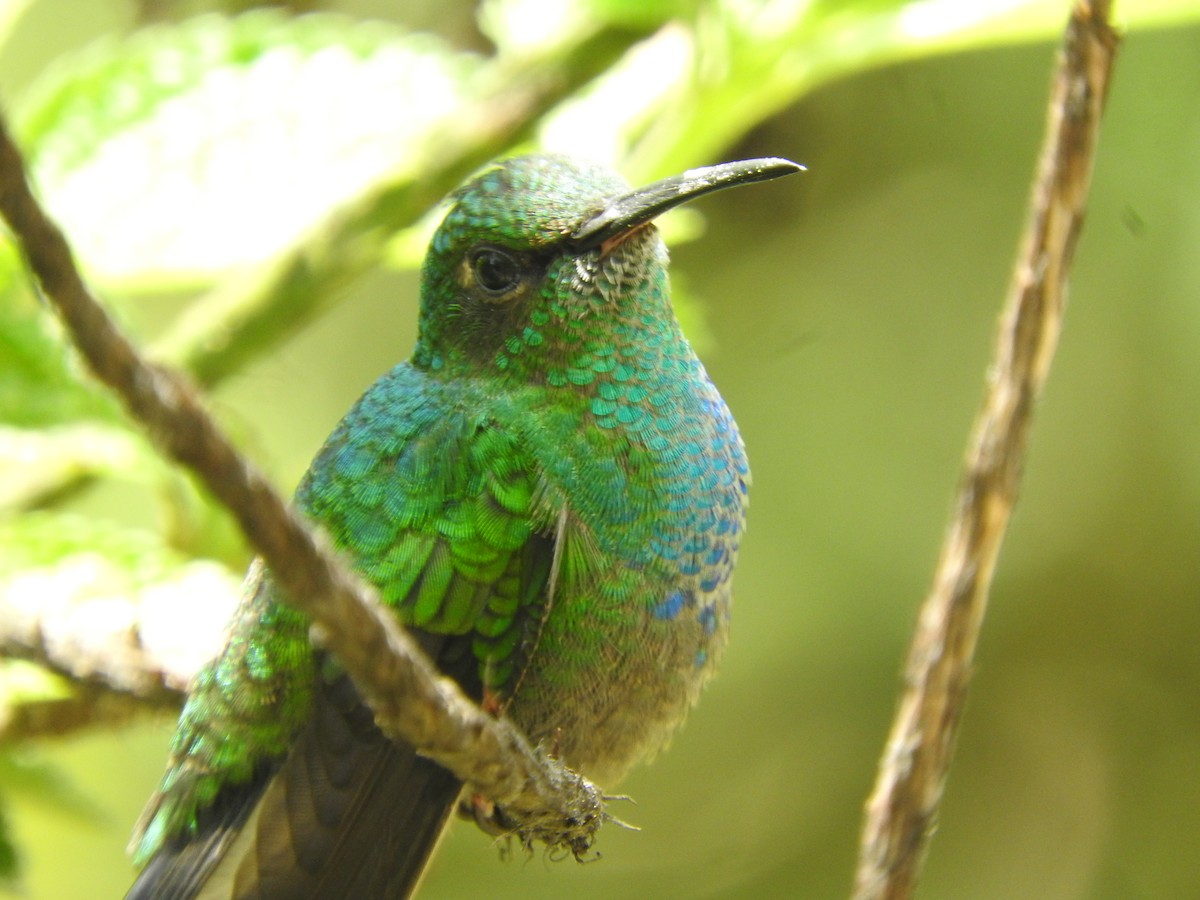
[847, 316]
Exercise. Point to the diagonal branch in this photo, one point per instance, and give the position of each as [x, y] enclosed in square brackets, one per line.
[912, 776]
[410, 700]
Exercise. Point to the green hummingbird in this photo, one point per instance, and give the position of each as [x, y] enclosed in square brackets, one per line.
[549, 494]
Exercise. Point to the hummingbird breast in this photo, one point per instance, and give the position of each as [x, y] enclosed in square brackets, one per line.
[649, 486]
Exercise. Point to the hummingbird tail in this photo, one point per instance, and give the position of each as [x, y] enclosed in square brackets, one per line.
[347, 813]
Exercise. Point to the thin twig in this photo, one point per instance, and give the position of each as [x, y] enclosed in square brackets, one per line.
[411, 701]
[903, 806]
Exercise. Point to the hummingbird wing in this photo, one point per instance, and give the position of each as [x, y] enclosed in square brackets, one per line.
[280, 784]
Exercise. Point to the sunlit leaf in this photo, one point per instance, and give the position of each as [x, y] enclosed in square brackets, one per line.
[643, 12]
[526, 27]
[40, 382]
[699, 85]
[187, 149]
[22, 681]
[34, 463]
[47, 785]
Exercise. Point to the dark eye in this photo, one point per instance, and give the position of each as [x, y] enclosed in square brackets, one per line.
[495, 271]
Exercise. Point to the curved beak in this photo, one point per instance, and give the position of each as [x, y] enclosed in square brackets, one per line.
[626, 212]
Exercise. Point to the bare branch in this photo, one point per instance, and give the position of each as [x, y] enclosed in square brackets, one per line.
[118, 651]
[412, 702]
[99, 644]
[915, 762]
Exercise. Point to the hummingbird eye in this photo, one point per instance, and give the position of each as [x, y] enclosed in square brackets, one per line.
[495, 271]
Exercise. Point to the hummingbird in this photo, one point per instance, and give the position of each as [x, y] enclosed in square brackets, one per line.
[549, 494]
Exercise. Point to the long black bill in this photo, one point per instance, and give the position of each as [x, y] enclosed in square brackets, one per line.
[638, 207]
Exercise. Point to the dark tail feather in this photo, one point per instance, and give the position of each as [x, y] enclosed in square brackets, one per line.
[347, 814]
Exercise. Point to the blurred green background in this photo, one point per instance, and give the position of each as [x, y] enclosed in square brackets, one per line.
[847, 316]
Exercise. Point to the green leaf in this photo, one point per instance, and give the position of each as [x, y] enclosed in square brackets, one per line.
[121, 562]
[26, 682]
[48, 785]
[9, 863]
[695, 88]
[643, 11]
[530, 27]
[10, 13]
[35, 464]
[258, 126]
[40, 383]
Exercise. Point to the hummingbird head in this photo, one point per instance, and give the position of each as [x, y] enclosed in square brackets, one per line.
[540, 256]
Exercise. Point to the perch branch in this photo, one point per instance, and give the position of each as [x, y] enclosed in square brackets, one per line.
[902, 809]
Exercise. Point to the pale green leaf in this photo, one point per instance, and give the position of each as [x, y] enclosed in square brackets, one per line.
[27, 682]
[698, 85]
[10, 12]
[187, 149]
[40, 381]
[35, 463]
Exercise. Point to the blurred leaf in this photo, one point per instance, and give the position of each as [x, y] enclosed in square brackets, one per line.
[9, 864]
[26, 682]
[531, 27]
[39, 381]
[47, 785]
[739, 62]
[37, 463]
[257, 126]
[10, 12]
[641, 12]
[78, 557]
